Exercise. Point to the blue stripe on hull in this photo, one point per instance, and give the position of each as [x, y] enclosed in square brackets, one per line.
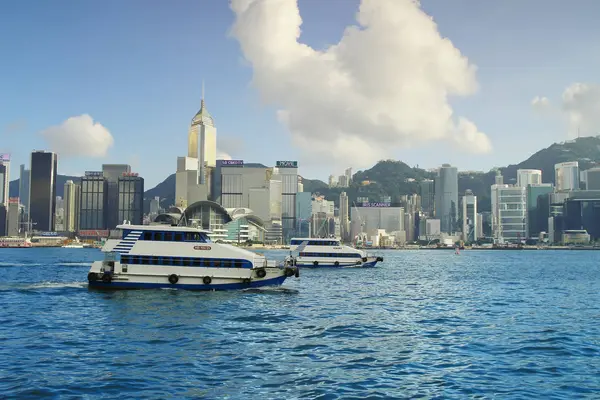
[223, 286]
[365, 265]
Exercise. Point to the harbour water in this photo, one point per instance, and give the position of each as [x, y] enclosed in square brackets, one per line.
[500, 324]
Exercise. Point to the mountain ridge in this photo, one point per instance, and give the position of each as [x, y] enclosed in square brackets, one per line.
[395, 178]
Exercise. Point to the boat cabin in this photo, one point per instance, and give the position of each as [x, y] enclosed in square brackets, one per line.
[158, 233]
[315, 242]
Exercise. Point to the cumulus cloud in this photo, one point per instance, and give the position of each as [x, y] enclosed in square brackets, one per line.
[79, 136]
[540, 102]
[383, 87]
[579, 106]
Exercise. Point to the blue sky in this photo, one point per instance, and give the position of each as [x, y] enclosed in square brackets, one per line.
[137, 68]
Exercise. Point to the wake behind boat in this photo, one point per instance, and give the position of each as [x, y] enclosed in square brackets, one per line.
[328, 252]
[162, 256]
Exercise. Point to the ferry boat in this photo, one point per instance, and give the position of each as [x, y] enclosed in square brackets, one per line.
[328, 252]
[164, 256]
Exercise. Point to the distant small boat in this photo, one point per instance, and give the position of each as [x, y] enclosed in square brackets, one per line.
[74, 244]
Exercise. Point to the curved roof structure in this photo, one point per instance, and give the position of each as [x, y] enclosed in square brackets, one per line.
[175, 210]
[167, 218]
[189, 211]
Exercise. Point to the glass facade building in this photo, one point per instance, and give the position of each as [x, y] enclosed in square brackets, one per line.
[112, 173]
[42, 190]
[446, 197]
[130, 199]
[94, 201]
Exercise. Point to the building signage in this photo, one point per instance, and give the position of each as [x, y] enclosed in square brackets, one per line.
[93, 233]
[48, 234]
[94, 173]
[201, 247]
[376, 204]
[134, 174]
[287, 164]
[236, 163]
[4, 157]
[13, 200]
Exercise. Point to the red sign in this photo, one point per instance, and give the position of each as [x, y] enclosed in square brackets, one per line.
[130, 174]
[201, 247]
[13, 200]
[93, 233]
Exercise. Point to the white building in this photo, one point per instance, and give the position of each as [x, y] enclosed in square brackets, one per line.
[344, 217]
[567, 176]
[470, 229]
[4, 178]
[509, 212]
[72, 193]
[529, 177]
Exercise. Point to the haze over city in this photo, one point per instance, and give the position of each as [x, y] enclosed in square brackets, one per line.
[330, 84]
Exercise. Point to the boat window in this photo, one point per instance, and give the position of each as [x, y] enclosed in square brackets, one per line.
[204, 238]
[192, 237]
[185, 262]
[147, 235]
[126, 232]
[226, 264]
[154, 260]
[178, 236]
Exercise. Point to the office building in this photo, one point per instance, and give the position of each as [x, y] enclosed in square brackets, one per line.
[372, 217]
[537, 219]
[42, 190]
[94, 201]
[24, 188]
[348, 175]
[288, 171]
[509, 211]
[202, 142]
[592, 179]
[131, 198]
[72, 205]
[470, 228]
[332, 181]
[154, 206]
[344, 217]
[304, 213]
[14, 211]
[427, 193]
[112, 173]
[529, 177]
[4, 177]
[567, 176]
[446, 198]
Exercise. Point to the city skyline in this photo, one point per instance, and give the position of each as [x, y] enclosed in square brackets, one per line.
[91, 83]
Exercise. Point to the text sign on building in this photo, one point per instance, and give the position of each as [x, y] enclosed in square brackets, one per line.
[376, 204]
[134, 174]
[13, 200]
[93, 233]
[287, 164]
[235, 163]
[4, 157]
[94, 173]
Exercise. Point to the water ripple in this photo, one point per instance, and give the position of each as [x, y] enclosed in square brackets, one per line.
[425, 325]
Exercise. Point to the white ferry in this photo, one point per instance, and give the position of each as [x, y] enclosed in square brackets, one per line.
[163, 256]
[328, 252]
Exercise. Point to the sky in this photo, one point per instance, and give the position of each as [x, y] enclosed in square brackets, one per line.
[332, 84]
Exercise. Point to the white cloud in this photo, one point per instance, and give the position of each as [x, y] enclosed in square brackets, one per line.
[579, 106]
[383, 87]
[540, 103]
[79, 136]
[221, 155]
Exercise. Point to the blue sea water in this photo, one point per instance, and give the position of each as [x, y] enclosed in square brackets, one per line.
[426, 324]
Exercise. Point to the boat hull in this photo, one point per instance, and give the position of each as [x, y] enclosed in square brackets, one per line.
[120, 285]
[371, 262]
[188, 278]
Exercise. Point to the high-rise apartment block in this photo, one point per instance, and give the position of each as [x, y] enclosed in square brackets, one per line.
[529, 177]
[72, 205]
[42, 190]
[94, 201]
[131, 198]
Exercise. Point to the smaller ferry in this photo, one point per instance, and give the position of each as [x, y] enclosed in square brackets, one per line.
[328, 252]
[164, 256]
[74, 244]
[15, 242]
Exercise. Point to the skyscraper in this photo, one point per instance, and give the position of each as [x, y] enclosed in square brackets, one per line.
[592, 179]
[529, 177]
[469, 213]
[112, 173]
[4, 178]
[288, 170]
[72, 199]
[24, 188]
[567, 176]
[202, 141]
[344, 214]
[131, 198]
[94, 201]
[427, 192]
[446, 197]
[42, 190]
[348, 175]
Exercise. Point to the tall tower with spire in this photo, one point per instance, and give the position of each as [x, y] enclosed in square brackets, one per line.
[202, 141]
